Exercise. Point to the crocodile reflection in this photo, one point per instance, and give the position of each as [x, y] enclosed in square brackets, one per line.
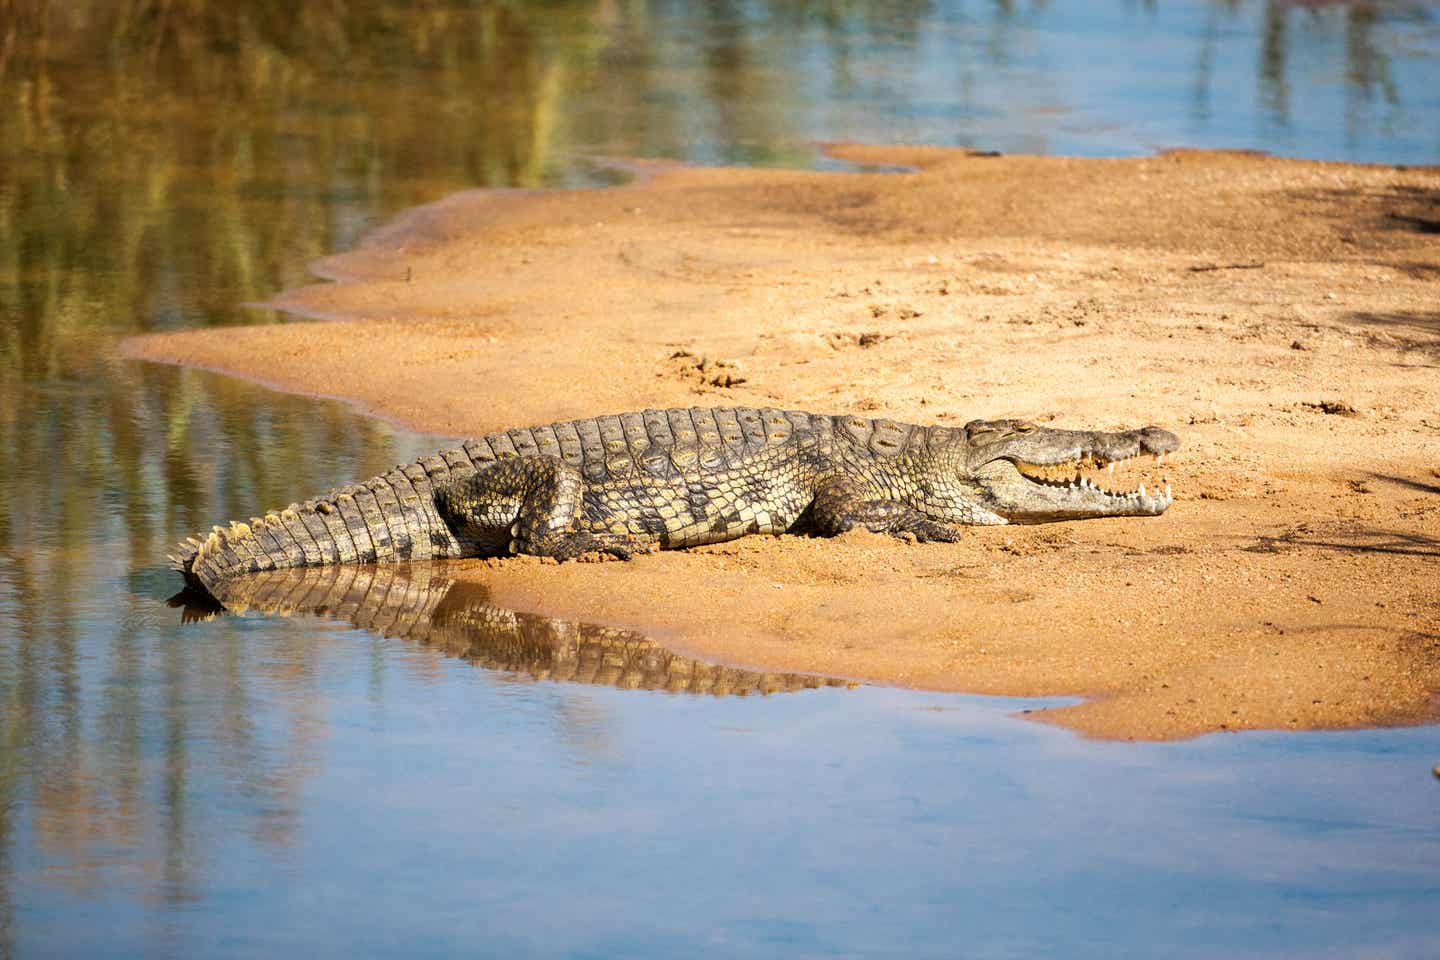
[420, 604]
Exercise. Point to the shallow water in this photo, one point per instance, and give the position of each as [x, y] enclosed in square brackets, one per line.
[272, 784]
[258, 786]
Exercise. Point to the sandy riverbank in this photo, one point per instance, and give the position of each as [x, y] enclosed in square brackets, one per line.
[1282, 316]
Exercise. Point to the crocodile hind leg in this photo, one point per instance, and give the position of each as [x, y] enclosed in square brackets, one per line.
[841, 505]
[537, 502]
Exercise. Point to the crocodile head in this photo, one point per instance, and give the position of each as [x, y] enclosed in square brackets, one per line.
[1033, 474]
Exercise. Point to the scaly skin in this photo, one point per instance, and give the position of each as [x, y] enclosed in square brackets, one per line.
[667, 479]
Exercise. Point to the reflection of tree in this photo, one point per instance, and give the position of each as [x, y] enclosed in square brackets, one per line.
[100, 708]
[1274, 88]
[1219, 18]
[1367, 70]
[262, 142]
[1367, 67]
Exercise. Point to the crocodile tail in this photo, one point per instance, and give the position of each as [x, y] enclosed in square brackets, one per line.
[301, 535]
[226, 552]
[388, 518]
[183, 559]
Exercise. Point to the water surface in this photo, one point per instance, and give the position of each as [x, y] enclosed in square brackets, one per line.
[263, 787]
[432, 775]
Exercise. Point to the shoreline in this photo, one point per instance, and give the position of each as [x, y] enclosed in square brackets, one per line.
[1275, 310]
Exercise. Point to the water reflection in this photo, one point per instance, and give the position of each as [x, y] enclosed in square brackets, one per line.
[420, 603]
[123, 746]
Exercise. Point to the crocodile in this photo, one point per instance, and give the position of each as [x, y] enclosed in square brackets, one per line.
[633, 482]
[418, 603]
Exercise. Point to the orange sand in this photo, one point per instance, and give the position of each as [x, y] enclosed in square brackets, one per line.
[1282, 316]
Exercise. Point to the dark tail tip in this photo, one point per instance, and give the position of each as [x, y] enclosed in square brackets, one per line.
[195, 604]
[187, 561]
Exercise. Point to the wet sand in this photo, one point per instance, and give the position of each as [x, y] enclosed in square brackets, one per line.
[1283, 317]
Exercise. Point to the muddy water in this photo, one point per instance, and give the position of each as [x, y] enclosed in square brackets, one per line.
[408, 769]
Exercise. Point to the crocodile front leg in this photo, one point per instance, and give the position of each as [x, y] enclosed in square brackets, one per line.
[537, 501]
[842, 505]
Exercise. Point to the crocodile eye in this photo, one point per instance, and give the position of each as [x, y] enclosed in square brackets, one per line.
[1025, 427]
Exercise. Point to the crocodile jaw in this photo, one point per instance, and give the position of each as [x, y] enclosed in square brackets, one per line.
[1020, 499]
[1044, 475]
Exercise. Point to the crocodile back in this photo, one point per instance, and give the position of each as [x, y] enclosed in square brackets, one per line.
[648, 441]
[624, 442]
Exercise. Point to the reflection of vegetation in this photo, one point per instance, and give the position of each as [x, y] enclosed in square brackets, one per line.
[1366, 69]
[166, 158]
[100, 707]
[161, 163]
[1274, 44]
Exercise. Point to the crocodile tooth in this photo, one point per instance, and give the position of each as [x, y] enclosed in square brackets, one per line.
[1111, 467]
[1168, 495]
[1160, 459]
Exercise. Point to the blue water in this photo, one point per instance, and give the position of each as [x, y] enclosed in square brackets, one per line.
[281, 785]
[1340, 81]
[384, 800]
